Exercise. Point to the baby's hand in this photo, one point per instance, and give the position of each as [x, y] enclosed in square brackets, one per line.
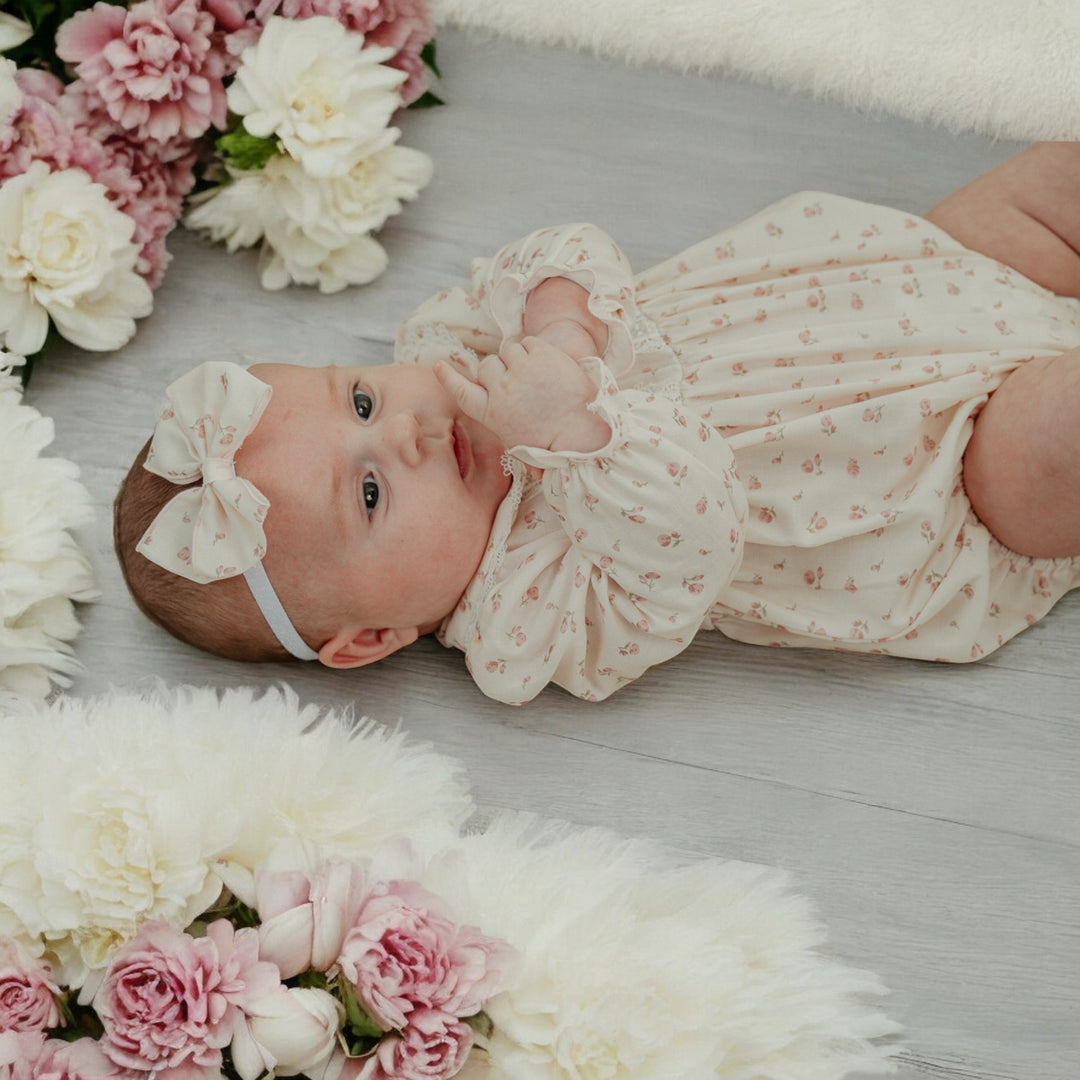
[530, 394]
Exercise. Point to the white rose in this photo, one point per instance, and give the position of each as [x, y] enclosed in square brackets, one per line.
[13, 32]
[298, 1029]
[311, 84]
[68, 254]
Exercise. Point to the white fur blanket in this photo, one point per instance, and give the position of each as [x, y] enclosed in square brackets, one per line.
[1004, 68]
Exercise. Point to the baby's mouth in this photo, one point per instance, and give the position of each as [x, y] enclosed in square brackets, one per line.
[462, 451]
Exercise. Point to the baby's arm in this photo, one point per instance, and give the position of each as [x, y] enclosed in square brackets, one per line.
[557, 311]
[532, 394]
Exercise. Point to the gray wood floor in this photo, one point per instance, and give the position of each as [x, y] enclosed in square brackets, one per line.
[930, 812]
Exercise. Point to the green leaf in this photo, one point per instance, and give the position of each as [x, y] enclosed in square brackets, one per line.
[358, 1022]
[427, 56]
[244, 151]
[427, 100]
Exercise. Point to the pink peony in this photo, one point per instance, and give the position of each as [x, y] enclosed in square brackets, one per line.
[153, 66]
[305, 917]
[405, 953]
[433, 1046]
[170, 1000]
[27, 991]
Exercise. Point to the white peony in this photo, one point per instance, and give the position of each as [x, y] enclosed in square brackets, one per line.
[319, 234]
[356, 203]
[314, 232]
[42, 569]
[68, 254]
[311, 84]
[13, 32]
[234, 213]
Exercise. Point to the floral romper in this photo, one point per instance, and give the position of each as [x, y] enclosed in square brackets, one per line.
[789, 403]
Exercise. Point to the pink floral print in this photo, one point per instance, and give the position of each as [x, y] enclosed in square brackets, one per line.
[787, 472]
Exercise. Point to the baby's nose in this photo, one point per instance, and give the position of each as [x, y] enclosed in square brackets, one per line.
[406, 437]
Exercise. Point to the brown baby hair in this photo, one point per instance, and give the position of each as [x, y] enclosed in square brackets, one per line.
[219, 617]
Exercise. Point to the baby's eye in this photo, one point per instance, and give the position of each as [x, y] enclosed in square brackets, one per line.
[363, 404]
[371, 495]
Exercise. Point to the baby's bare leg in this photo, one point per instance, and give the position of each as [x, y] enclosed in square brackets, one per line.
[1022, 466]
[1025, 213]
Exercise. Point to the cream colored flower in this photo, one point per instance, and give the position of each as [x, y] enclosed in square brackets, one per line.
[358, 202]
[10, 97]
[42, 570]
[234, 213]
[13, 32]
[311, 84]
[67, 254]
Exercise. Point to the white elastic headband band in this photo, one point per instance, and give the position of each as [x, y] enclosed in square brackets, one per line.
[276, 618]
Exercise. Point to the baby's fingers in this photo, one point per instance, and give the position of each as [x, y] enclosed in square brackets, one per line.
[471, 399]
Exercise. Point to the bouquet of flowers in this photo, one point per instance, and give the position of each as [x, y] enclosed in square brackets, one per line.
[268, 119]
[199, 887]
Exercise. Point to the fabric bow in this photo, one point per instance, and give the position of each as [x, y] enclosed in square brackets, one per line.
[215, 530]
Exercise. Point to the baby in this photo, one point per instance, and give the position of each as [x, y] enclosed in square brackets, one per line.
[834, 425]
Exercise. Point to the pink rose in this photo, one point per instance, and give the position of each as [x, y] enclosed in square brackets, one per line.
[305, 917]
[27, 992]
[433, 1046]
[19, 1054]
[79, 1060]
[152, 66]
[405, 953]
[171, 1000]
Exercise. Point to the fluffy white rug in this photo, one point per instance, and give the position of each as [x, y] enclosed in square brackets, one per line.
[131, 807]
[1004, 68]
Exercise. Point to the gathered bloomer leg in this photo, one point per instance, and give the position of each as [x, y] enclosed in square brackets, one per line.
[1022, 465]
[1026, 213]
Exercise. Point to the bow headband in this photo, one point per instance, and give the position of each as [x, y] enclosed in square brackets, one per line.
[215, 530]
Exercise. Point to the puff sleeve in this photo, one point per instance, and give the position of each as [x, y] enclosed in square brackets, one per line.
[463, 324]
[615, 557]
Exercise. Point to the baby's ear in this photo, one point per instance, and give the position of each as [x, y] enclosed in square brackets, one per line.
[356, 648]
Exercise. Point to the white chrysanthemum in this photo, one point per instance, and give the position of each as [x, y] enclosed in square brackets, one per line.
[119, 809]
[637, 969]
[311, 84]
[67, 254]
[42, 570]
[13, 32]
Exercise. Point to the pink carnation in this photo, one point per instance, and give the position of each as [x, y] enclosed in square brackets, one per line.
[434, 1046]
[402, 25]
[153, 66]
[405, 952]
[27, 991]
[171, 1000]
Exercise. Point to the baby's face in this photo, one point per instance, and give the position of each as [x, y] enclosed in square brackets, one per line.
[382, 492]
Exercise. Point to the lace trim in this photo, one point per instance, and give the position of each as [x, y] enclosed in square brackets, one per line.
[423, 335]
[507, 515]
[645, 335]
